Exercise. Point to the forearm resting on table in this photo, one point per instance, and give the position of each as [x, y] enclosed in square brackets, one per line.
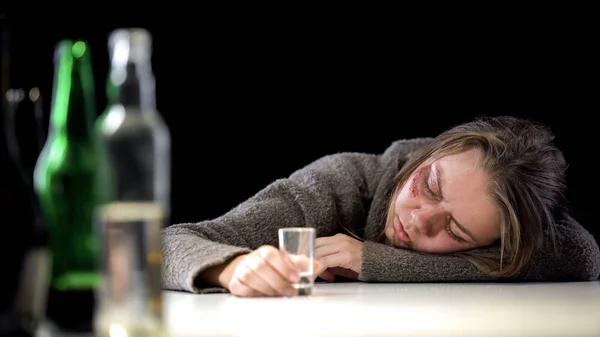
[220, 275]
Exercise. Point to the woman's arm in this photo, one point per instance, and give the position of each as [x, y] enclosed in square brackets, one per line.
[331, 191]
[577, 258]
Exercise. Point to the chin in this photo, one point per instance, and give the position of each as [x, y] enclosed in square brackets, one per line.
[390, 238]
[403, 245]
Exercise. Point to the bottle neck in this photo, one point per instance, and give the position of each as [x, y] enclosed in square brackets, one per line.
[132, 86]
[131, 80]
[73, 107]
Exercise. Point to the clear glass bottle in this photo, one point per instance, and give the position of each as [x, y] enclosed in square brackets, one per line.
[138, 144]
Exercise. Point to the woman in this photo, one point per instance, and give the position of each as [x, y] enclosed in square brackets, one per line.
[483, 201]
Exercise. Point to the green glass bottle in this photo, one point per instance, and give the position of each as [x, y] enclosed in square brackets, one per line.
[67, 183]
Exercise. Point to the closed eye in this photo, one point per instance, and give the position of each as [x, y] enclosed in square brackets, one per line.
[427, 189]
[435, 196]
[452, 235]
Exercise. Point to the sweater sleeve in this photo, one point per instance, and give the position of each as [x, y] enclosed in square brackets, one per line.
[331, 191]
[576, 257]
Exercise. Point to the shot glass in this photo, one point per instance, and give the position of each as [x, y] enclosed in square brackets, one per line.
[299, 244]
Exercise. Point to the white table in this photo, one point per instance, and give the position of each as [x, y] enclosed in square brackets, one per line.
[360, 309]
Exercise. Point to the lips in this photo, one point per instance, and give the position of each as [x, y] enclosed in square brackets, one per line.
[400, 232]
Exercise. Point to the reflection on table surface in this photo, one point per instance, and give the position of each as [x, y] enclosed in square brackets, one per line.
[366, 309]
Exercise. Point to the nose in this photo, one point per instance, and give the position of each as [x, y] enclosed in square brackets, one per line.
[428, 220]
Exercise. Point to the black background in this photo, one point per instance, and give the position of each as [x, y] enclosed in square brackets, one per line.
[250, 96]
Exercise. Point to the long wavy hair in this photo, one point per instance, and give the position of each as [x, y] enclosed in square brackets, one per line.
[527, 184]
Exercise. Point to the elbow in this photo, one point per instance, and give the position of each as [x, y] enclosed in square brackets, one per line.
[592, 262]
[584, 265]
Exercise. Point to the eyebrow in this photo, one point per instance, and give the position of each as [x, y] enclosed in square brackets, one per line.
[438, 173]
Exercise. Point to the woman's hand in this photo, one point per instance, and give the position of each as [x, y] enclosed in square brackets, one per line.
[338, 255]
[267, 271]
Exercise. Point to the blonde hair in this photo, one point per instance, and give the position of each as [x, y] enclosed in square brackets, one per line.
[527, 184]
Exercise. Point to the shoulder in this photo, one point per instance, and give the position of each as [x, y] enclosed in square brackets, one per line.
[359, 168]
[406, 146]
[401, 150]
[397, 152]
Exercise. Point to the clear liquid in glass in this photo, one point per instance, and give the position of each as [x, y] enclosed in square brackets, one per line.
[131, 294]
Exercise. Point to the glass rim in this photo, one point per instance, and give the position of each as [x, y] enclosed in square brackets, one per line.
[297, 229]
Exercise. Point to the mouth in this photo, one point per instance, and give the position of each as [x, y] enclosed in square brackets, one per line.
[400, 232]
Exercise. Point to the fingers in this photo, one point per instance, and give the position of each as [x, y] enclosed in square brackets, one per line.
[331, 245]
[341, 259]
[267, 279]
[347, 273]
[301, 263]
[264, 272]
[327, 276]
[318, 269]
[238, 288]
[325, 240]
[326, 250]
[328, 240]
[280, 262]
[317, 265]
[256, 278]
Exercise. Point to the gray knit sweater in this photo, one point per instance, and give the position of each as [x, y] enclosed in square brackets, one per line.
[349, 190]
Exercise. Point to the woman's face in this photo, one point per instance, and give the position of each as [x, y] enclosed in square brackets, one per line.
[445, 207]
